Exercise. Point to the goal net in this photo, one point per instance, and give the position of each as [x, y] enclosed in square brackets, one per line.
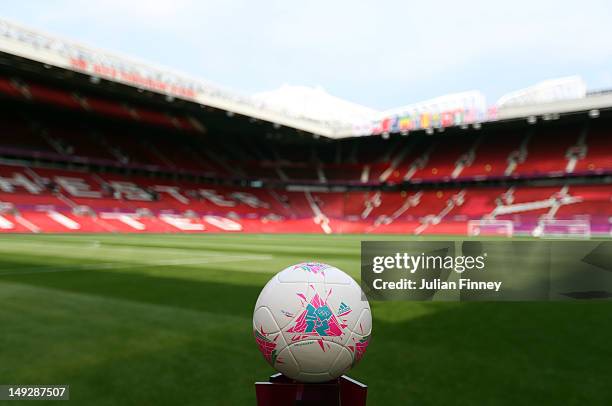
[501, 228]
[551, 228]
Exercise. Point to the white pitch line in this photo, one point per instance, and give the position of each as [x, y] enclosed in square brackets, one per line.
[117, 265]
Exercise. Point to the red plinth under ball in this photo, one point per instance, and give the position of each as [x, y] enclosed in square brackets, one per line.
[282, 391]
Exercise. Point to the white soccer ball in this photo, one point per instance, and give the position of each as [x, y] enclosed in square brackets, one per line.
[312, 322]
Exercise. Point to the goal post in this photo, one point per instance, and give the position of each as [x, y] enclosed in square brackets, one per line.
[551, 228]
[490, 227]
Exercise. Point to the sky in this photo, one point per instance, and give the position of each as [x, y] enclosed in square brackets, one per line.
[381, 54]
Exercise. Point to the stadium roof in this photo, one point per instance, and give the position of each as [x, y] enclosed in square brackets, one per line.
[315, 102]
[302, 108]
[34, 45]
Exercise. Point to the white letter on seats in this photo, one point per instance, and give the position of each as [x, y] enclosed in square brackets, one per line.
[8, 184]
[76, 187]
[216, 198]
[223, 223]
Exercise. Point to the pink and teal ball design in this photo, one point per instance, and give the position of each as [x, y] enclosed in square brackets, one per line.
[267, 346]
[317, 319]
[359, 348]
[313, 267]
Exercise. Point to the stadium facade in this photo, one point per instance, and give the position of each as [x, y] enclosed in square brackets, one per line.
[94, 142]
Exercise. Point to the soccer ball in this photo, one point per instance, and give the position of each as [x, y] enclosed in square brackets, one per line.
[312, 322]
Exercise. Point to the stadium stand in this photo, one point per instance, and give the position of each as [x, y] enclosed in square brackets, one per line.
[531, 152]
[60, 201]
[81, 160]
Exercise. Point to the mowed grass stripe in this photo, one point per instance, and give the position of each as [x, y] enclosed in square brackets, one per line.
[200, 243]
[56, 250]
[126, 265]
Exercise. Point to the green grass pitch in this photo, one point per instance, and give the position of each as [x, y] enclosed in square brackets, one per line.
[166, 319]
